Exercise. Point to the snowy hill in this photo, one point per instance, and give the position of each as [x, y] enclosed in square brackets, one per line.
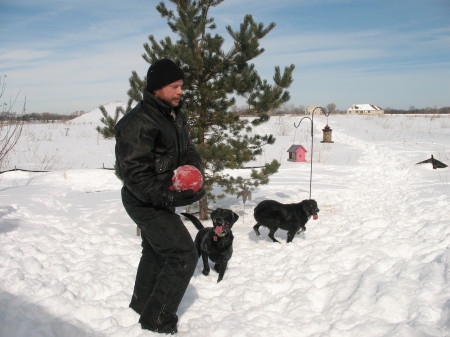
[375, 263]
[93, 117]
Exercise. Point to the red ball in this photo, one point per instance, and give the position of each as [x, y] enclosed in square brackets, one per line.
[187, 177]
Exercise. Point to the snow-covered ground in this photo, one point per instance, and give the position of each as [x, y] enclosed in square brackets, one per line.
[375, 263]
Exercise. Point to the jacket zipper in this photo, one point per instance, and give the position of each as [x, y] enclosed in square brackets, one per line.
[178, 132]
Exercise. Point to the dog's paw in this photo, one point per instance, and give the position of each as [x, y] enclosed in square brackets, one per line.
[205, 272]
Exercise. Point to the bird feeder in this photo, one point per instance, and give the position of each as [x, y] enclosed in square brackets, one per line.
[327, 133]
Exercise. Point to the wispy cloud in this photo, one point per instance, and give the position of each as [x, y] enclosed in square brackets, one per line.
[12, 58]
[377, 46]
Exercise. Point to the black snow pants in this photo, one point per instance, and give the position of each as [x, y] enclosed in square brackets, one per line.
[169, 258]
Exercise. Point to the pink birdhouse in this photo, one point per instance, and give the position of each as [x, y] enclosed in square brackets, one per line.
[297, 153]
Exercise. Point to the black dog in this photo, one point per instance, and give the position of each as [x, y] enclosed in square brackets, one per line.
[215, 243]
[290, 217]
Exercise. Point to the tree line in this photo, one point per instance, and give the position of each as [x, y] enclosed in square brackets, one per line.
[40, 117]
[413, 110]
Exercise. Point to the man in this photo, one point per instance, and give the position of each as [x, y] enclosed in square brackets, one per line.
[152, 140]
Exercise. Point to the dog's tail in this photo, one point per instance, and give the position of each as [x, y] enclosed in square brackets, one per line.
[194, 220]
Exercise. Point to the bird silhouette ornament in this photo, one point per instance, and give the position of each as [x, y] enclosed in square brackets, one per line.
[434, 162]
[245, 194]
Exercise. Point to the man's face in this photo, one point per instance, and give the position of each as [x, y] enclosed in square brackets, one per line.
[171, 93]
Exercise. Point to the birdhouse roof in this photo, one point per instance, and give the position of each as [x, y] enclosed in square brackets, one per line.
[295, 148]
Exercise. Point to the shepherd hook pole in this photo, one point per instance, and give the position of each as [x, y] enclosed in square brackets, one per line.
[312, 141]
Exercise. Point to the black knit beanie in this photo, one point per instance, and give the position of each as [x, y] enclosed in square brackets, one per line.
[162, 73]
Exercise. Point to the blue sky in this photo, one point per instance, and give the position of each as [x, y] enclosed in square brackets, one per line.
[75, 55]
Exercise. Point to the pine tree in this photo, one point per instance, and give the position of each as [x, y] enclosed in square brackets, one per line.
[110, 122]
[213, 78]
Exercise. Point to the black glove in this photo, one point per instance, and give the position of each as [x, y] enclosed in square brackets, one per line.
[172, 198]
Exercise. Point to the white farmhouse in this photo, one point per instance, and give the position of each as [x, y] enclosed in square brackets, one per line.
[365, 109]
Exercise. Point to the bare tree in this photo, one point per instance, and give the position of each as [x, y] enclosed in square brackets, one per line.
[11, 123]
[331, 107]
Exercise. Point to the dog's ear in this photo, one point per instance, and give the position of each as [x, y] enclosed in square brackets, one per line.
[234, 217]
[214, 215]
[305, 204]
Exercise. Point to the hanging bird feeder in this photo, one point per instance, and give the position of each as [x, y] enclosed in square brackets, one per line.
[327, 134]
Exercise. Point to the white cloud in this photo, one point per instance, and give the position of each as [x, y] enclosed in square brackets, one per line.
[12, 57]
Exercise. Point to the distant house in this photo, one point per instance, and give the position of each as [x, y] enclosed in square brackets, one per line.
[313, 109]
[365, 109]
[297, 153]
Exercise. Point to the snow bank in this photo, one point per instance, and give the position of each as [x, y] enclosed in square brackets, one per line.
[376, 263]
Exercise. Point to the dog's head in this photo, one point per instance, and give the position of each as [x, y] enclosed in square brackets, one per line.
[223, 220]
[310, 208]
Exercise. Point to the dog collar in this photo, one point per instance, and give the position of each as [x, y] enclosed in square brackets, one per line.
[217, 236]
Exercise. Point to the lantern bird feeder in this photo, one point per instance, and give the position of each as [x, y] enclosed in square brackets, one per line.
[327, 134]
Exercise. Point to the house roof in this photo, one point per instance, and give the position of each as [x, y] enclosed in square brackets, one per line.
[365, 107]
[295, 148]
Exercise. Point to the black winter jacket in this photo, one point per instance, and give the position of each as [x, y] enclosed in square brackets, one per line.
[150, 145]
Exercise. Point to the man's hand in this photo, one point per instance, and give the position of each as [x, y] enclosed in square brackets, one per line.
[173, 198]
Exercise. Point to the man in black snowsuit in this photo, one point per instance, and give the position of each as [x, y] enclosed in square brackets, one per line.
[152, 140]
